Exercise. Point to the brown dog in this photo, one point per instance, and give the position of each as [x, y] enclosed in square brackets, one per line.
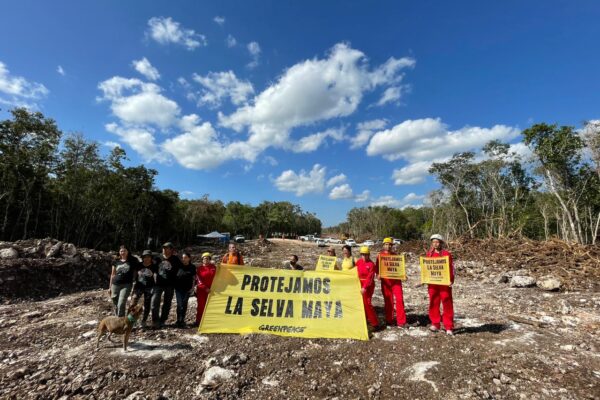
[119, 325]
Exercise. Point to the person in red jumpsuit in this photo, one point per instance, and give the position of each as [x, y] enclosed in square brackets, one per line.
[366, 273]
[441, 293]
[391, 289]
[205, 274]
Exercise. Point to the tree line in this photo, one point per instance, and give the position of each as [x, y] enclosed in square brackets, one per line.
[554, 192]
[63, 187]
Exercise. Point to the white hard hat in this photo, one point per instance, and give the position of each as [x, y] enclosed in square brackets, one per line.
[437, 236]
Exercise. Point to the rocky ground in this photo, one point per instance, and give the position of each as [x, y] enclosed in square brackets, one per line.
[516, 339]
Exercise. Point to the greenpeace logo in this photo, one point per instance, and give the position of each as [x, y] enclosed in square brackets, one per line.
[282, 328]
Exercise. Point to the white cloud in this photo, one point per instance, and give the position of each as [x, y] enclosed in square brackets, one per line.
[364, 196]
[424, 141]
[390, 95]
[231, 42]
[197, 148]
[391, 201]
[271, 161]
[312, 142]
[16, 90]
[341, 192]
[165, 31]
[336, 180]
[219, 20]
[140, 139]
[365, 131]
[254, 50]
[308, 92]
[303, 182]
[111, 144]
[61, 70]
[144, 67]
[220, 85]
[136, 103]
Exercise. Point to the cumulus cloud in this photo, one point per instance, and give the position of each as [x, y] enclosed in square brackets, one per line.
[390, 95]
[166, 31]
[18, 91]
[341, 192]
[303, 182]
[311, 91]
[144, 67]
[219, 20]
[424, 141]
[140, 139]
[254, 50]
[61, 70]
[220, 85]
[197, 148]
[365, 130]
[313, 142]
[391, 201]
[336, 180]
[364, 196]
[136, 103]
[231, 41]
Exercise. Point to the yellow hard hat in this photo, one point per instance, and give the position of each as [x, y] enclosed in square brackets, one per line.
[365, 250]
[387, 240]
[207, 254]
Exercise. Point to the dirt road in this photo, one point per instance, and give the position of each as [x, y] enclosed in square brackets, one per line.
[511, 343]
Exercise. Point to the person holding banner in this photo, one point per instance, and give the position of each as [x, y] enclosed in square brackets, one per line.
[205, 273]
[441, 293]
[292, 263]
[366, 273]
[391, 289]
[233, 257]
[348, 261]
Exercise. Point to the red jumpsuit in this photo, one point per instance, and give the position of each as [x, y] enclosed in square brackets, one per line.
[366, 274]
[204, 278]
[443, 294]
[392, 288]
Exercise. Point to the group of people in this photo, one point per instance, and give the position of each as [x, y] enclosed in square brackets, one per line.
[161, 278]
[158, 279]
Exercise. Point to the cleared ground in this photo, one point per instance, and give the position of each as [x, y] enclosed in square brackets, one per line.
[511, 343]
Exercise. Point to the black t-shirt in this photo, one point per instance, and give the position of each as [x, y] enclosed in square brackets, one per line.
[167, 271]
[185, 277]
[145, 278]
[124, 272]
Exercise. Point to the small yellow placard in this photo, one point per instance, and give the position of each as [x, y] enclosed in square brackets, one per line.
[326, 263]
[392, 267]
[435, 270]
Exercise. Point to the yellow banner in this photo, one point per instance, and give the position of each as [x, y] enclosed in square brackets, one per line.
[326, 263]
[392, 267]
[435, 270]
[310, 304]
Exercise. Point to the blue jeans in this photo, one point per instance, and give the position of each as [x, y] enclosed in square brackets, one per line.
[182, 297]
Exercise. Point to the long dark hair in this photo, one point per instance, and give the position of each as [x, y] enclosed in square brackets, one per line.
[347, 247]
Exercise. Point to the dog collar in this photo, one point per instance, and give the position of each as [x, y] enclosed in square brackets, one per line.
[131, 319]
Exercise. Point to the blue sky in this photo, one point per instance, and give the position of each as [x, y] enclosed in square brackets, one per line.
[330, 105]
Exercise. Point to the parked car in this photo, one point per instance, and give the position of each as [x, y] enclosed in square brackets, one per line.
[351, 242]
[321, 243]
[397, 241]
[368, 243]
[303, 238]
[335, 241]
[239, 239]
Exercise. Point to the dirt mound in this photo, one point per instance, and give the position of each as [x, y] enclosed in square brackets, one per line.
[43, 268]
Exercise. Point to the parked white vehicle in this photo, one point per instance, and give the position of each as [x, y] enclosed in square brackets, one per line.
[351, 242]
[368, 243]
[397, 241]
[321, 243]
[303, 238]
[335, 241]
